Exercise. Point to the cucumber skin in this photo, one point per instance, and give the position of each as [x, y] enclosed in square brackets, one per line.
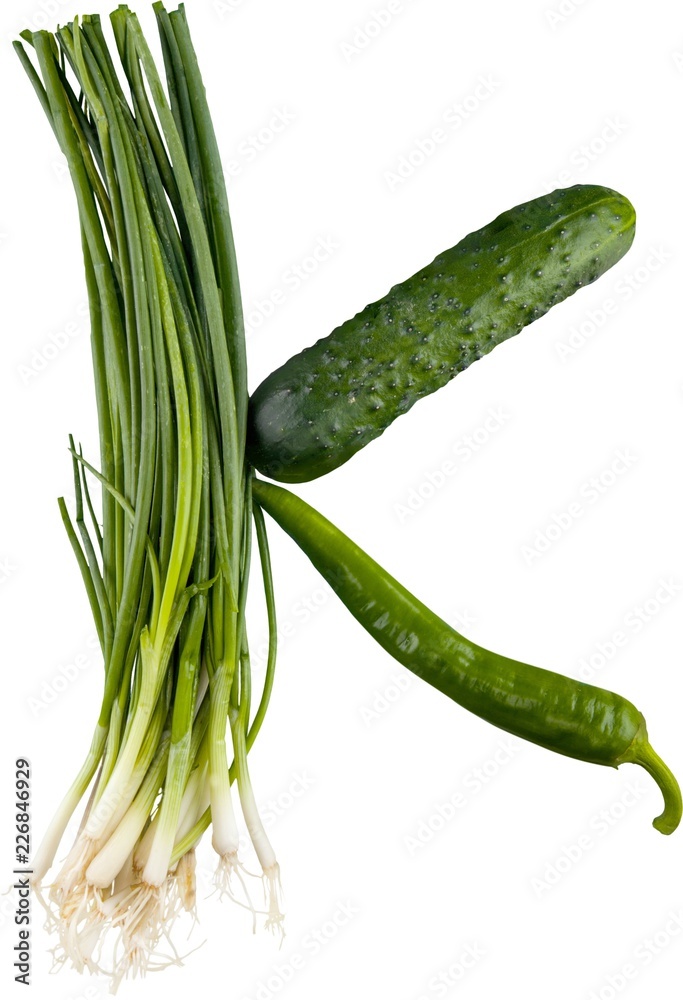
[323, 405]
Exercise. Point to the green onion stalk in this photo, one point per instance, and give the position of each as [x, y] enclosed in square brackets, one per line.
[166, 553]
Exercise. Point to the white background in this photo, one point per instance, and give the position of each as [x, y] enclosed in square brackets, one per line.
[345, 775]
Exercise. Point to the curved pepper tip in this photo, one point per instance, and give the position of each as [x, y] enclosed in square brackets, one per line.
[670, 818]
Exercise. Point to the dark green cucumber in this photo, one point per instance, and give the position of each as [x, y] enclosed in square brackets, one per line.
[326, 403]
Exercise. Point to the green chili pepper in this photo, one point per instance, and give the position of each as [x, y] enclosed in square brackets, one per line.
[538, 705]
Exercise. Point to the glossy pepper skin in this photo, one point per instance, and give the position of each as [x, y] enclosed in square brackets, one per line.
[318, 409]
[543, 707]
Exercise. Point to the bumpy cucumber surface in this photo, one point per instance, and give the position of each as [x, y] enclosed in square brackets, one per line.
[326, 403]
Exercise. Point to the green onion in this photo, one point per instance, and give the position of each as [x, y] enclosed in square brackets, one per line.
[165, 559]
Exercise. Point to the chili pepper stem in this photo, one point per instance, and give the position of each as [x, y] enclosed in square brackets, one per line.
[641, 752]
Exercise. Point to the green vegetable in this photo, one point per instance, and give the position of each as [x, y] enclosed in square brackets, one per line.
[165, 550]
[326, 403]
[546, 708]
[165, 557]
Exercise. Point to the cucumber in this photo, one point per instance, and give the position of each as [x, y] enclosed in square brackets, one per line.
[326, 403]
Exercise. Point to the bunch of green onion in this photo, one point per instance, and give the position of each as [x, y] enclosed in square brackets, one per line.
[166, 558]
